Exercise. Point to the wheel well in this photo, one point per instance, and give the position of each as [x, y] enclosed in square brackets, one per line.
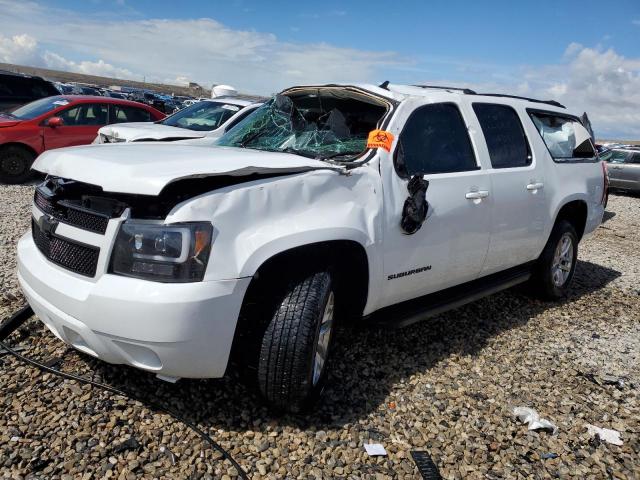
[574, 212]
[20, 145]
[345, 259]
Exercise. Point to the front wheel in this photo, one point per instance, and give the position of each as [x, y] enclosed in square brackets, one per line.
[296, 344]
[557, 263]
[15, 164]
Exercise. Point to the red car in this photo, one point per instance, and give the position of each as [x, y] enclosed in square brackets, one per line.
[59, 121]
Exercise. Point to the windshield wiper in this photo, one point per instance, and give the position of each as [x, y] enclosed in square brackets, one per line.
[297, 152]
[339, 154]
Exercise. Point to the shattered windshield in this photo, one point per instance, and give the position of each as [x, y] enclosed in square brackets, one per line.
[202, 116]
[321, 125]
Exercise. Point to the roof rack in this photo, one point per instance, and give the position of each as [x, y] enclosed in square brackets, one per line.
[468, 91]
[548, 102]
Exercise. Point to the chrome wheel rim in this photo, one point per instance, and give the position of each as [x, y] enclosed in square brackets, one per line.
[562, 260]
[324, 336]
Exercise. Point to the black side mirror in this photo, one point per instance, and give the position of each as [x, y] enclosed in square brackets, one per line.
[416, 207]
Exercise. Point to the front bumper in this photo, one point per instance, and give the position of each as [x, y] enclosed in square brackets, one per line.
[173, 330]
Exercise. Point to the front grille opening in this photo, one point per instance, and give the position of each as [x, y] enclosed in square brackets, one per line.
[82, 259]
[72, 214]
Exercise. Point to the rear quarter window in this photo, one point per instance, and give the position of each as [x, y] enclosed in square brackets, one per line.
[565, 137]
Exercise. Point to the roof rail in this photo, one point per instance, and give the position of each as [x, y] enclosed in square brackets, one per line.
[548, 102]
[468, 91]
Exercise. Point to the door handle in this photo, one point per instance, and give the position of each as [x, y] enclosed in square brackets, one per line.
[535, 186]
[477, 195]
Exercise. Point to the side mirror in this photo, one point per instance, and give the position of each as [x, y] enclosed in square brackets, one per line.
[55, 122]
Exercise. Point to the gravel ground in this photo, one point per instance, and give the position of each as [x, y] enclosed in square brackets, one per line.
[446, 386]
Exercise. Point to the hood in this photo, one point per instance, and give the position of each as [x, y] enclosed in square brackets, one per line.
[144, 168]
[8, 121]
[132, 132]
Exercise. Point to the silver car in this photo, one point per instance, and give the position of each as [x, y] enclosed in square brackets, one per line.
[624, 169]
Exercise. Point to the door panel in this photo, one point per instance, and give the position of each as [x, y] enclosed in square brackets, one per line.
[517, 180]
[451, 245]
[81, 124]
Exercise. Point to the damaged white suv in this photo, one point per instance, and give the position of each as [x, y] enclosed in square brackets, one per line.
[329, 202]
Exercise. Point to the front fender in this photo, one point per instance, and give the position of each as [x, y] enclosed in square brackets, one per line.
[256, 220]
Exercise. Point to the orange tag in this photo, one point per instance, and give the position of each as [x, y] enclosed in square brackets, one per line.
[380, 139]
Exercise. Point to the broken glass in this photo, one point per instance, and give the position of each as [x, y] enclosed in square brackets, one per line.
[308, 125]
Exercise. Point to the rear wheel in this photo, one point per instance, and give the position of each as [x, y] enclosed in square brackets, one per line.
[296, 344]
[557, 263]
[15, 164]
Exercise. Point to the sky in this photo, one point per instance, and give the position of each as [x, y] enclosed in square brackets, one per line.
[581, 53]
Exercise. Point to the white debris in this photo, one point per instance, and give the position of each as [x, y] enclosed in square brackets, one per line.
[605, 434]
[374, 449]
[530, 416]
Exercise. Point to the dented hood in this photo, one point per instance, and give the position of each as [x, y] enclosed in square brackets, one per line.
[135, 131]
[143, 168]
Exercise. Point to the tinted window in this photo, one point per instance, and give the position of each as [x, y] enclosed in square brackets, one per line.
[435, 140]
[565, 137]
[85, 114]
[634, 158]
[502, 129]
[123, 114]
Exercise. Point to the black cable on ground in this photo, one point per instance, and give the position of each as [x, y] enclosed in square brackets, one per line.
[18, 318]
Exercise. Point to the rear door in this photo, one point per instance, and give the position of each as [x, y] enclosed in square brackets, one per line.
[517, 178]
[436, 143]
[81, 124]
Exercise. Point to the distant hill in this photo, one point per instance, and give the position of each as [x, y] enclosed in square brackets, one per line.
[193, 89]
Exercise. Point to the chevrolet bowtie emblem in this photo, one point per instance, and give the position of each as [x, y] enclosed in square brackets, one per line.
[47, 225]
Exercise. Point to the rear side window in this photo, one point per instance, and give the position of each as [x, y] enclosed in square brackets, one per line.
[435, 140]
[503, 132]
[634, 158]
[565, 137]
[122, 114]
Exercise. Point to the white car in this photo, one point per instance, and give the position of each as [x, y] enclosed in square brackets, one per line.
[207, 118]
[331, 202]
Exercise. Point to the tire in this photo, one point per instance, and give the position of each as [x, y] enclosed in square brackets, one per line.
[557, 263]
[296, 345]
[15, 164]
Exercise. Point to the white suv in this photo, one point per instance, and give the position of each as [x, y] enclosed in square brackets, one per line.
[386, 202]
[205, 119]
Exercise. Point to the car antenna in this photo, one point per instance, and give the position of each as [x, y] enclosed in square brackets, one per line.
[384, 85]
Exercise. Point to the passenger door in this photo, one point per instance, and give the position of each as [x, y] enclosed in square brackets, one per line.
[517, 178]
[81, 124]
[451, 244]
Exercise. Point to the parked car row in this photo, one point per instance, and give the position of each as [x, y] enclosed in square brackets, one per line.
[59, 121]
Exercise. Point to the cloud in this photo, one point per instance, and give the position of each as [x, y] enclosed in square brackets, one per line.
[599, 81]
[18, 49]
[100, 68]
[204, 50]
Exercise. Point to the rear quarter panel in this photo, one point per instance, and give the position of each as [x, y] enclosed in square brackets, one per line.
[580, 180]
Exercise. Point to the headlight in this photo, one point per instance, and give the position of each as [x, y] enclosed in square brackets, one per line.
[164, 253]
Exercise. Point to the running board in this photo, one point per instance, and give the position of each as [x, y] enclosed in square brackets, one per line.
[422, 308]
